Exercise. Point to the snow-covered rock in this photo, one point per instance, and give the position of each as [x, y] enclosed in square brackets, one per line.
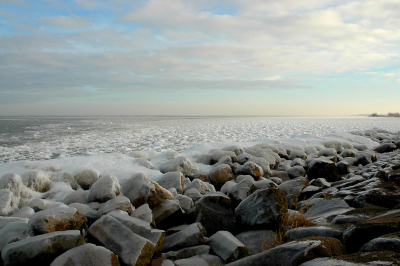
[219, 175]
[143, 213]
[77, 196]
[7, 206]
[117, 203]
[105, 188]
[36, 180]
[13, 232]
[172, 180]
[227, 247]
[181, 164]
[86, 178]
[189, 237]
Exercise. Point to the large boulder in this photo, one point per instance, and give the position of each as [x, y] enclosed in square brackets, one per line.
[301, 232]
[131, 248]
[105, 188]
[263, 208]
[40, 250]
[294, 253]
[220, 174]
[87, 255]
[189, 237]
[36, 180]
[57, 219]
[227, 247]
[215, 212]
[172, 180]
[118, 203]
[181, 164]
[323, 168]
[140, 189]
[86, 178]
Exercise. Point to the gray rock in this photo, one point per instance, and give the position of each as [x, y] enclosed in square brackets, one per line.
[343, 167]
[294, 186]
[235, 148]
[241, 191]
[296, 171]
[200, 260]
[297, 154]
[185, 202]
[263, 208]
[298, 162]
[227, 247]
[167, 214]
[228, 185]
[188, 237]
[308, 231]
[145, 163]
[186, 252]
[86, 178]
[40, 249]
[118, 203]
[250, 168]
[366, 157]
[323, 168]
[324, 208]
[264, 164]
[131, 248]
[24, 212]
[349, 153]
[220, 174]
[321, 182]
[37, 181]
[105, 188]
[181, 164]
[87, 255]
[143, 213]
[41, 204]
[385, 147]
[77, 196]
[6, 220]
[14, 232]
[385, 242]
[7, 207]
[254, 240]
[172, 180]
[201, 186]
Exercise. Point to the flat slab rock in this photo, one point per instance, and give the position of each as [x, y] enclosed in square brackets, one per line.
[227, 247]
[308, 231]
[200, 260]
[254, 239]
[87, 255]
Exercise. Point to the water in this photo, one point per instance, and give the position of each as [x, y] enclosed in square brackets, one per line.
[43, 138]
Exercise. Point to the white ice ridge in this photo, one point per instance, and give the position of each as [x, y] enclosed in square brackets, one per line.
[123, 135]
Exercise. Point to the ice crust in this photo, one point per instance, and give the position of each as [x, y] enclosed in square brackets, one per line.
[111, 145]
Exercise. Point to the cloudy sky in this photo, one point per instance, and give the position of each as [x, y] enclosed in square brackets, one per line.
[199, 57]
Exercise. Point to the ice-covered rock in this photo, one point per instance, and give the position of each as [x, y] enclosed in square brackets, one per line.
[7, 206]
[186, 252]
[220, 174]
[235, 148]
[294, 186]
[41, 204]
[264, 164]
[201, 186]
[255, 239]
[140, 189]
[250, 168]
[218, 154]
[87, 255]
[86, 178]
[145, 163]
[200, 260]
[105, 188]
[172, 180]
[189, 237]
[131, 248]
[193, 193]
[297, 154]
[323, 208]
[24, 212]
[365, 157]
[36, 180]
[77, 196]
[4, 221]
[181, 164]
[81, 208]
[167, 214]
[241, 191]
[263, 208]
[41, 249]
[349, 153]
[385, 147]
[185, 202]
[296, 171]
[227, 247]
[14, 232]
[118, 203]
[56, 219]
[143, 213]
[301, 232]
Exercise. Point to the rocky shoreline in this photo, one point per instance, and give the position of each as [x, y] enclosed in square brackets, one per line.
[331, 204]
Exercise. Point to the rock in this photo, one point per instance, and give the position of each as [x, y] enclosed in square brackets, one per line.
[200, 260]
[241, 191]
[105, 188]
[254, 240]
[294, 253]
[294, 186]
[308, 192]
[276, 180]
[81, 208]
[131, 248]
[145, 163]
[250, 168]
[301, 232]
[172, 180]
[281, 175]
[377, 198]
[228, 185]
[323, 168]
[140, 189]
[263, 208]
[220, 174]
[386, 147]
[189, 237]
[324, 208]
[7, 206]
[141, 228]
[235, 148]
[181, 164]
[385, 242]
[203, 176]
[118, 203]
[87, 255]
[263, 184]
[13, 232]
[264, 164]
[327, 152]
[243, 158]
[200, 186]
[193, 193]
[296, 171]
[227, 247]
[215, 212]
[86, 178]
[357, 235]
[4, 221]
[349, 153]
[218, 154]
[321, 182]
[186, 252]
[12, 183]
[77, 196]
[41, 250]
[56, 219]
[185, 202]
[377, 258]
[37, 181]
[365, 158]
[297, 154]
[343, 167]
[140, 154]
[24, 212]
[41, 204]
[167, 214]
[143, 213]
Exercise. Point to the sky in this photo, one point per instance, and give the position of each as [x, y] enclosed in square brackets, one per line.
[199, 57]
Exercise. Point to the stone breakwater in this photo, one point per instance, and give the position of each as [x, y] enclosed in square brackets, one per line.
[349, 194]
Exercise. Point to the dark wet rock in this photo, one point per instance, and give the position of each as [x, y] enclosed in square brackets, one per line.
[365, 158]
[255, 239]
[186, 252]
[343, 167]
[377, 198]
[324, 208]
[167, 214]
[296, 171]
[323, 168]
[227, 247]
[385, 242]
[386, 147]
[301, 232]
[188, 237]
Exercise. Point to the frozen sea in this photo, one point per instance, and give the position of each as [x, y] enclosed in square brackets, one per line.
[67, 144]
